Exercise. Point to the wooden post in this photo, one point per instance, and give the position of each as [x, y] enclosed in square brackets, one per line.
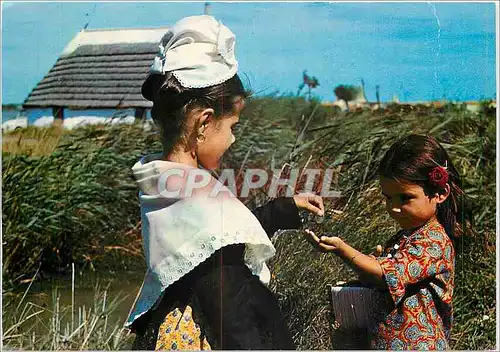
[58, 113]
[377, 93]
[364, 91]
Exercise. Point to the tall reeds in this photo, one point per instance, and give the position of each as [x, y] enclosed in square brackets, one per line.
[76, 204]
[79, 204]
[35, 327]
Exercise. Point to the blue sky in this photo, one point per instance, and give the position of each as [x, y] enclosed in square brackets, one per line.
[417, 51]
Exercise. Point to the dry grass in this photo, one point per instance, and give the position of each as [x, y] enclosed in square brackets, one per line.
[32, 141]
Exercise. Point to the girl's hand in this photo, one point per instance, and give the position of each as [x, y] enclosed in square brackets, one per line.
[323, 244]
[330, 244]
[312, 239]
[310, 202]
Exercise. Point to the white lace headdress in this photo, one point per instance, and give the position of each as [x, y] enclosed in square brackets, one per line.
[179, 233]
[199, 51]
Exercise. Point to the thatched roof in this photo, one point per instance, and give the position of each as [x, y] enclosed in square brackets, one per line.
[99, 69]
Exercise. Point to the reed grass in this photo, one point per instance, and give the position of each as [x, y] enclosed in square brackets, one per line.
[34, 327]
[76, 204]
[79, 204]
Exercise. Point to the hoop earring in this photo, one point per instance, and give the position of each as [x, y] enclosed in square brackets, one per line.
[201, 138]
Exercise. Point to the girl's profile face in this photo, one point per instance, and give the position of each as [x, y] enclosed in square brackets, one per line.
[407, 203]
[218, 138]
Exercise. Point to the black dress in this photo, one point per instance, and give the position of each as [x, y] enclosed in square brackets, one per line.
[242, 313]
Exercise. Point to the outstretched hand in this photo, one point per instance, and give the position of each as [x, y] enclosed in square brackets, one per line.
[310, 202]
[323, 243]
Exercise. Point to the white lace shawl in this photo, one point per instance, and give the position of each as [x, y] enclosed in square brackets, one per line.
[180, 233]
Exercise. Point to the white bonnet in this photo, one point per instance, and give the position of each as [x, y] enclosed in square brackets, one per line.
[199, 51]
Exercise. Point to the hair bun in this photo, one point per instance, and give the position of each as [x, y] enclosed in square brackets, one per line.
[151, 86]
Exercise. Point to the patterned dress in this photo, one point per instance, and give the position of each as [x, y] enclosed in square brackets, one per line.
[418, 267]
[176, 324]
[180, 331]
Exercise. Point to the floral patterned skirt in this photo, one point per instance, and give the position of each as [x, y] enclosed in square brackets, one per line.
[180, 327]
[180, 331]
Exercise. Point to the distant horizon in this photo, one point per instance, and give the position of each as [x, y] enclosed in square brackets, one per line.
[419, 52]
[321, 101]
[303, 95]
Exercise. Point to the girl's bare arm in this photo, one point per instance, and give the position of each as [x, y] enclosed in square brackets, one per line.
[367, 267]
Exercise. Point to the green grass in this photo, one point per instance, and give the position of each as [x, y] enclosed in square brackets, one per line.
[77, 202]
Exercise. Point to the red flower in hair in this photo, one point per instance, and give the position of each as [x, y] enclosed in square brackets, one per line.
[438, 177]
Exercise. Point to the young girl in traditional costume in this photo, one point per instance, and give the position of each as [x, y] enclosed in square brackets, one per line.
[205, 251]
[423, 194]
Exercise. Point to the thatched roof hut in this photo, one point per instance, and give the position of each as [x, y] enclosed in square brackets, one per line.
[99, 69]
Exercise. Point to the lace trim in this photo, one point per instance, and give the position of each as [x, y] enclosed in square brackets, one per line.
[193, 254]
[209, 83]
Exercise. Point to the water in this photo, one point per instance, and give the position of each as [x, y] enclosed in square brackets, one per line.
[8, 114]
[118, 285]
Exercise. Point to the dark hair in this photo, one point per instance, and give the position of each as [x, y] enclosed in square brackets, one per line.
[172, 103]
[412, 159]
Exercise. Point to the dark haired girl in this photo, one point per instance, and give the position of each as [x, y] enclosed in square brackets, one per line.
[423, 194]
[206, 253]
